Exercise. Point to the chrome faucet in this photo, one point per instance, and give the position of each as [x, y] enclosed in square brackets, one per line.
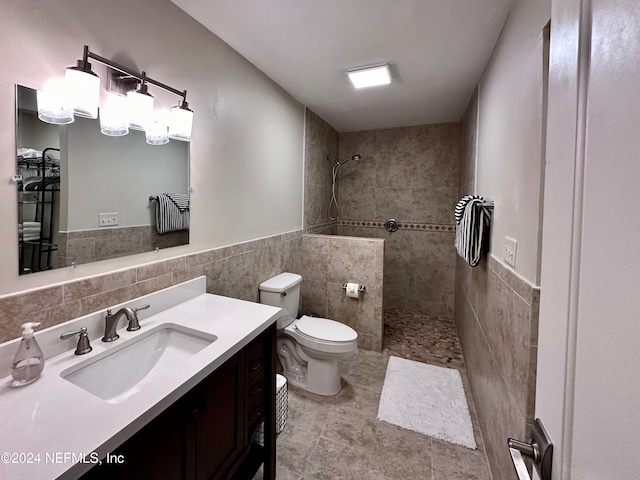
[111, 322]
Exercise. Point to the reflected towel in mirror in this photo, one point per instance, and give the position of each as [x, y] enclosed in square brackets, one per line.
[172, 212]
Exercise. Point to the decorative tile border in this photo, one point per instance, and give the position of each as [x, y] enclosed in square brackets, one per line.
[318, 227]
[421, 227]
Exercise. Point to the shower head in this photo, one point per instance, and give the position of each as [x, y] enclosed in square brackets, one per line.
[348, 159]
[337, 163]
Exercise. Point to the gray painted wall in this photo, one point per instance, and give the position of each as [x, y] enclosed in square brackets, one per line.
[247, 144]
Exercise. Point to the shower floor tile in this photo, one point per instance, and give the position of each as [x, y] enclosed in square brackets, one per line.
[423, 338]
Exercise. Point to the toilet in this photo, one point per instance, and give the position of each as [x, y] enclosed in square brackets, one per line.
[309, 348]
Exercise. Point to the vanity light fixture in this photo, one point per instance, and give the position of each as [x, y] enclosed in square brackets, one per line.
[113, 116]
[156, 132]
[53, 105]
[370, 76]
[83, 87]
[181, 121]
[140, 105]
[81, 93]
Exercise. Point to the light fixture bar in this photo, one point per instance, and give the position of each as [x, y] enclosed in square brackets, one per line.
[121, 68]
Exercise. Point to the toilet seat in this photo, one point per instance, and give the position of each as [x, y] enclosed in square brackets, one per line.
[325, 329]
[323, 335]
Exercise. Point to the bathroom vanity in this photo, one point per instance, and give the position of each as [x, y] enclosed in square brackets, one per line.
[181, 398]
[206, 434]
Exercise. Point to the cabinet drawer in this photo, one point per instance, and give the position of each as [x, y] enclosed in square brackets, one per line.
[255, 363]
[255, 390]
[255, 415]
[255, 345]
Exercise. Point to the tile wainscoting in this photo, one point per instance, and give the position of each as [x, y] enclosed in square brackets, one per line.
[104, 243]
[234, 271]
[329, 261]
[326, 228]
[497, 321]
[419, 268]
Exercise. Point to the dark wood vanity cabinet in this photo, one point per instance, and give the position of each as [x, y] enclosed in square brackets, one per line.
[208, 433]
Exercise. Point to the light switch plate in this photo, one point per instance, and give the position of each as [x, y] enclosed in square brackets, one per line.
[107, 219]
[509, 250]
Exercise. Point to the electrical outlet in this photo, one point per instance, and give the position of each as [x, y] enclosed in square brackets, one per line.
[107, 219]
[509, 250]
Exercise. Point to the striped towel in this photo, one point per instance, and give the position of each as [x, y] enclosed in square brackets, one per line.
[180, 199]
[172, 212]
[472, 217]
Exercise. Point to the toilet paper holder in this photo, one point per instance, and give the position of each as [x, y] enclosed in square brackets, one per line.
[361, 288]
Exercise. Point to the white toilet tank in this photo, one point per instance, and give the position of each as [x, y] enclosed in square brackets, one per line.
[282, 291]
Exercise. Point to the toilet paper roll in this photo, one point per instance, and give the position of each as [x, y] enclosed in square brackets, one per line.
[353, 290]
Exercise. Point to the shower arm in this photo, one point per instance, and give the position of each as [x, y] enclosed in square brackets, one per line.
[337, 163]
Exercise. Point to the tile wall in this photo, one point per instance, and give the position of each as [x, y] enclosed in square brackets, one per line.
[410, 174]
[234, 271]
[329, 261]
[496, 317]
[88, 246]
[321, 139]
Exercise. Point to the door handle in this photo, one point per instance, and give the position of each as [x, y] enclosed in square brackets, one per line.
[518, 463]
[539, 449]
[528, 449]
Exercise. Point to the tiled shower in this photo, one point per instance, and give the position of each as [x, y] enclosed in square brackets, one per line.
[430, 296]
[407, 173]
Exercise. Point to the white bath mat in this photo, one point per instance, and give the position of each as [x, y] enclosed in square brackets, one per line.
[428, 400]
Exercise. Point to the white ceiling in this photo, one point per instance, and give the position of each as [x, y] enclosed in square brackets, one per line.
[437, 50]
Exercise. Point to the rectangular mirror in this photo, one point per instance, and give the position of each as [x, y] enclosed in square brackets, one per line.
[84, 196]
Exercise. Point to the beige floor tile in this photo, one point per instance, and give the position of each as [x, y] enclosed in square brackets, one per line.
[340, 437]
[453, 462]
[334, 461]
[406, 454]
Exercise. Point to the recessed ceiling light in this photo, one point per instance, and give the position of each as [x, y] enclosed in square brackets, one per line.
[370, 76]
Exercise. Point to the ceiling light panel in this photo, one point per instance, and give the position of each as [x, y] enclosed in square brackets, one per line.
[370, 76]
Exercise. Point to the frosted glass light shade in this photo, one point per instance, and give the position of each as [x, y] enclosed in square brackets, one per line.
[140, 107]
[180, 124]
[156, 133]
[84, 92]
[113, 117]
[53, 106]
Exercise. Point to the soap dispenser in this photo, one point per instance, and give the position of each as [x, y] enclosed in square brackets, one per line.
[28, 362]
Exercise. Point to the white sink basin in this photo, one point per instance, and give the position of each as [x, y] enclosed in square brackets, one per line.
[120, 372]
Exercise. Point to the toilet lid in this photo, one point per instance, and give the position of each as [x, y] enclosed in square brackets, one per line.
[325, 329]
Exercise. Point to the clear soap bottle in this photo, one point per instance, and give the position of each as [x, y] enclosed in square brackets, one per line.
[28, 363]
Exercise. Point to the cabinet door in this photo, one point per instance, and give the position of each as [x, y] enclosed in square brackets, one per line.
[155, 453]
[218, 424]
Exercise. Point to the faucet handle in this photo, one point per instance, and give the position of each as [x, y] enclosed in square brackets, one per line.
[83, 342]
[137, 309]
[134, 324]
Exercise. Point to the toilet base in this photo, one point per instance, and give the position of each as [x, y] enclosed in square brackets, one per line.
[323, 377]
[310, 370]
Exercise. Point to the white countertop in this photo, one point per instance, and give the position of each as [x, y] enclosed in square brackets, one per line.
[53, 417]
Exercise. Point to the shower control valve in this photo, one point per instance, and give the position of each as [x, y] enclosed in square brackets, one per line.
[391, 225]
